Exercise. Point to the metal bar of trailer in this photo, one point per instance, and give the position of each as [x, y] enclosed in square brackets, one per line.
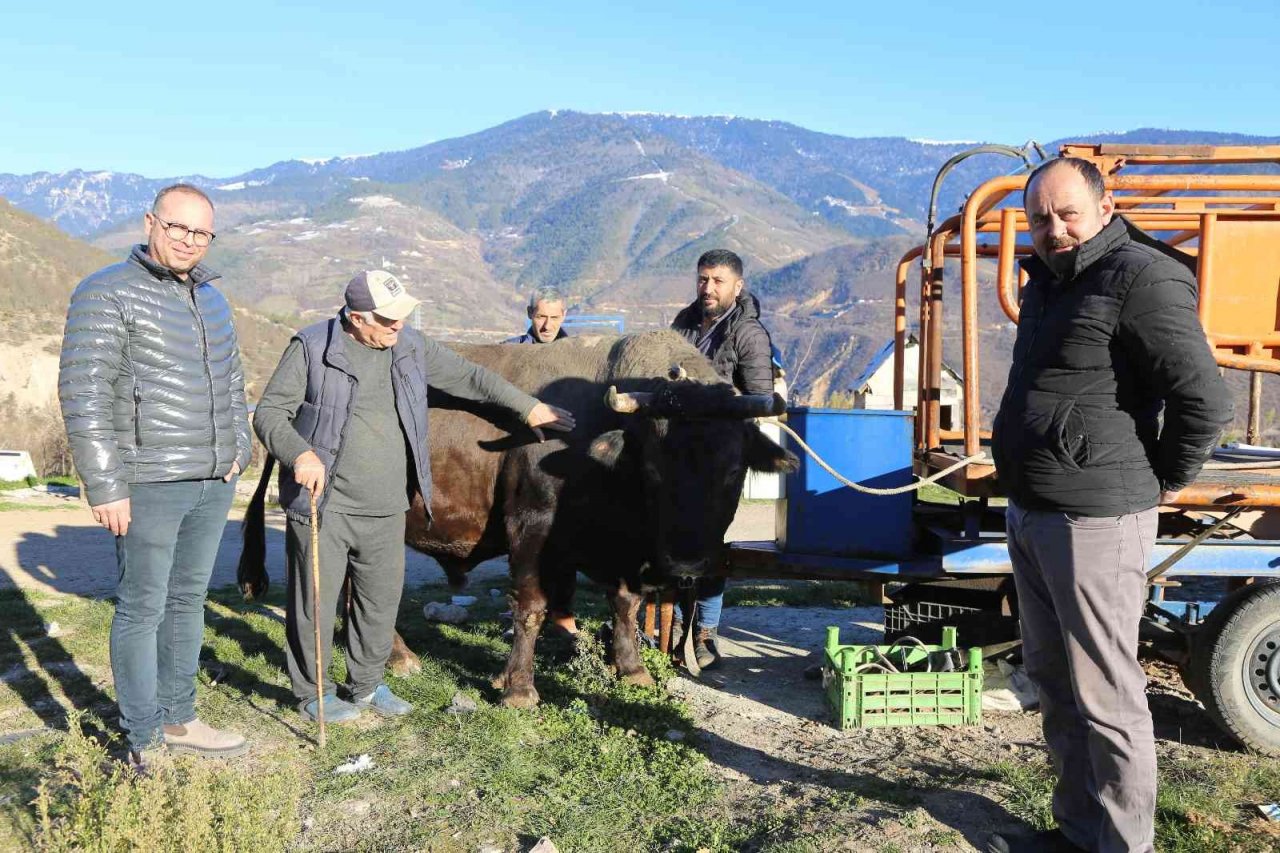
[1229, 558]
[989, 556]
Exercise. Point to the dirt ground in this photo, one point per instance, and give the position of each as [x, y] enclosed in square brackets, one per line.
[765, 727]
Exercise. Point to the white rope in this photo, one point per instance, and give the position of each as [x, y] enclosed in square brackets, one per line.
[870, 490]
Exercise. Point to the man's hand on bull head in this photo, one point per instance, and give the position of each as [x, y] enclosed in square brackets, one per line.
[545, 416]
[308, 472]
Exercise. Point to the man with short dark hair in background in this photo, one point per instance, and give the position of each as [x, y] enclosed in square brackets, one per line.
[546, 312]
[152, 395]
[1108, 341]
[723, 322]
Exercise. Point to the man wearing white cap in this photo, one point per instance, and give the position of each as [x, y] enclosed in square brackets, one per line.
[346, 414]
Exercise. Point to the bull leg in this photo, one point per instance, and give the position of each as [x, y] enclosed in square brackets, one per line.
[403, 662]
[529, 609]
[626, 655]
[455, 570]
[668, 609]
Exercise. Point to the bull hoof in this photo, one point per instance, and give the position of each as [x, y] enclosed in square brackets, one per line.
[520, 697]
[404, 665]
[642, 678]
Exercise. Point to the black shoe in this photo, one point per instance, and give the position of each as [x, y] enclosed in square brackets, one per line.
[1047, 841]
[705, 650]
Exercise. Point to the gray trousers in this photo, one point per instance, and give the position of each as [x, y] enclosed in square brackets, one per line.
[1081, 593]
[369, 549]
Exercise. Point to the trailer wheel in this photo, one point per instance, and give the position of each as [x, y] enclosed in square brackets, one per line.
[1235, 666]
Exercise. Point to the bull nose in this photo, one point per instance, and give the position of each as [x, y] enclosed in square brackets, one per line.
[688, 568]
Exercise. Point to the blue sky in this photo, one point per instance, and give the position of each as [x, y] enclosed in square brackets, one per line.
[220, 88]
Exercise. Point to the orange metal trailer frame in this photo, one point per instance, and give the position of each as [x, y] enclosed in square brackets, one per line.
[1230, 225]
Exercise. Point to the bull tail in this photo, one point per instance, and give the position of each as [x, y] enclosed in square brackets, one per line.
[251, 574]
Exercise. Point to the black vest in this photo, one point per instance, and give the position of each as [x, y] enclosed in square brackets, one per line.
[326, 409]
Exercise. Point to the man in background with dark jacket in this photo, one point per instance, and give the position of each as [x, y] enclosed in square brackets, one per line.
[546, 312]
[152, 397]
[346, 414]
[1108, 337]
[724, 324]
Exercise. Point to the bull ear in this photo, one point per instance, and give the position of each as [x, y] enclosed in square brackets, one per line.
[763, 454]
[608, 447]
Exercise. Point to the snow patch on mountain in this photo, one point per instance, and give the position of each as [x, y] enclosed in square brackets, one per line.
[651, 176]
[922, 141]
[375, 201]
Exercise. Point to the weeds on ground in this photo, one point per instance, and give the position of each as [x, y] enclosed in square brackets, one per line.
[1208, 803]
[598, 764]
[1205, 801]
[1030, 790]
[89, 802]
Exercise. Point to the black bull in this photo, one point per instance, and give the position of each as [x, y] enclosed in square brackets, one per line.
[639, 493]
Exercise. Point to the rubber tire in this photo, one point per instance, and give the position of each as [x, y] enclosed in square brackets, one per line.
[1219, 646]
[1195, 672]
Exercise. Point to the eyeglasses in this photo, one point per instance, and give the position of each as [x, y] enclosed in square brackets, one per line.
[178, 231]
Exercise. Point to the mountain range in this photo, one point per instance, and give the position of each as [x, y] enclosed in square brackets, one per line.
[612, 208]
[39, 267]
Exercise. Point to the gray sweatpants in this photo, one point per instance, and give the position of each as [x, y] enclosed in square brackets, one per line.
[1081, 593]
[371, 550]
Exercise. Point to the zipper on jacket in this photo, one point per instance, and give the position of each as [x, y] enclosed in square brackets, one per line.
[137, 417]
[208, 372]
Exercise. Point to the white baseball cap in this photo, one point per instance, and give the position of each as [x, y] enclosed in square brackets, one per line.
[380, 292]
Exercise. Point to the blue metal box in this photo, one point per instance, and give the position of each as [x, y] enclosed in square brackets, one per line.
[819, 515]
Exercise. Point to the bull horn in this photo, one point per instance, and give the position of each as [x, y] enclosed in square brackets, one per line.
[755, 406]
[677, 373]
[627, 404]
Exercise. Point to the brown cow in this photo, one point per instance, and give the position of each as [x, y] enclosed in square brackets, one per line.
[638, 495]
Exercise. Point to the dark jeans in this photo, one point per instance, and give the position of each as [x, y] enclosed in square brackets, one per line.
[165, 561]
[710, 602]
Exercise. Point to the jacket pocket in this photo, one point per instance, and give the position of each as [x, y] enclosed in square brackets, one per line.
[1052, 424]
[306, 420]
[1089, 522]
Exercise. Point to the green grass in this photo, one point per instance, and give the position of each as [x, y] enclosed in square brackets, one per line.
[30, 482]
[14, 506]
[1204, 802]
[934, 493]
[592, 767]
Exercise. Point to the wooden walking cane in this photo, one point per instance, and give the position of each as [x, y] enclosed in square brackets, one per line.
[315, 614]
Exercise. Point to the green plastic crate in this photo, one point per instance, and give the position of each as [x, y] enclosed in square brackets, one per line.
[863, 696]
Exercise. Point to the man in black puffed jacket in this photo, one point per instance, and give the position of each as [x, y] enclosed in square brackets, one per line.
[1114, 402]
[724, 324]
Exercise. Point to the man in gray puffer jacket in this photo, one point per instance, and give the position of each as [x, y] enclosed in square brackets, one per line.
[153, 401]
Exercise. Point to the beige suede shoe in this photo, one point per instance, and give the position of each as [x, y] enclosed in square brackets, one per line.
[197, 738]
